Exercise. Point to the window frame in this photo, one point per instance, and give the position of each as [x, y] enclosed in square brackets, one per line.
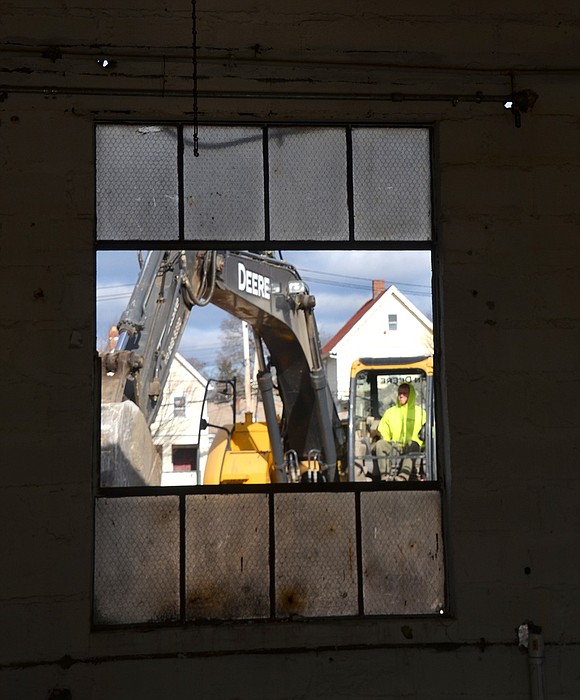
[352, 242]
[182, 241]
[194, 449]
[179, 406]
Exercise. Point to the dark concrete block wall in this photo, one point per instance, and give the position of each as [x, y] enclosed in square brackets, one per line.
[507, 288]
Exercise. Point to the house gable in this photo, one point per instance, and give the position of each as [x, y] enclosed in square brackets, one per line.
[368, 333]
[177, 423]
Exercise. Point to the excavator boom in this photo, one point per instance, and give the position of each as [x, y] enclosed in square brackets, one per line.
[272, 298]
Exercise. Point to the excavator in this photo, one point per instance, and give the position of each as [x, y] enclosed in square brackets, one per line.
[306, 443]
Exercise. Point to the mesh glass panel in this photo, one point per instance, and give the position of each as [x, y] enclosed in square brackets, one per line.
[137, 190]
[308, 198]
[227, 555]
[315, 555]
[137, 184]
[402, 552]
[224, 185]
[392, 184]
[136, 560]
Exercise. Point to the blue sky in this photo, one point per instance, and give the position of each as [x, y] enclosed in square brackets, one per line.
[341, 281]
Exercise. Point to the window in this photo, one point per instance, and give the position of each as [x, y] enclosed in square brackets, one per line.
[254, 184]
[179, 406]
[324, 190]
[184, 458]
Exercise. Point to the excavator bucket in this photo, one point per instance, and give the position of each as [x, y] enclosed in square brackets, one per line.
[128, 455]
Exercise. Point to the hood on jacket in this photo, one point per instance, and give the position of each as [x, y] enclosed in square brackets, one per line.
[412, 394]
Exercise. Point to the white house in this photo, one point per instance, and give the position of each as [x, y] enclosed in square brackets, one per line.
[182, 448]
[388, 325]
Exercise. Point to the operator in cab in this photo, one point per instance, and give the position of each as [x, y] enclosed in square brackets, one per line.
[399, 432]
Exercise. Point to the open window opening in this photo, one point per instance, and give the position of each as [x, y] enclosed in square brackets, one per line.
[184, 458]
[272, 402]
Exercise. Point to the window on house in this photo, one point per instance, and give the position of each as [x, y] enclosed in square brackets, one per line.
[179, 406]
[184, 458]
[344, 195]
[392, 322]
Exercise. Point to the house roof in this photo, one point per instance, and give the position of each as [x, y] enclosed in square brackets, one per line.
[353, 320]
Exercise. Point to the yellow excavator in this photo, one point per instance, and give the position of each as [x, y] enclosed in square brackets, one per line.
[307, 442]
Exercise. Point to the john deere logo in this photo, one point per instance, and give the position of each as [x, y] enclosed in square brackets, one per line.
[253, 283]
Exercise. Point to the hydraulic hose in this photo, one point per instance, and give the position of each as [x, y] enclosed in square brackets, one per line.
[206, 279]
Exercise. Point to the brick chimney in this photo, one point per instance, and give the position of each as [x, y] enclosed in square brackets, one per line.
[378, 287]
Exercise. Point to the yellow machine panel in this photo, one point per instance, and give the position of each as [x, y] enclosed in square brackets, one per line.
[243, 457]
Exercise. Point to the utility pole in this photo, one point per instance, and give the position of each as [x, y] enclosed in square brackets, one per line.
[247, 386]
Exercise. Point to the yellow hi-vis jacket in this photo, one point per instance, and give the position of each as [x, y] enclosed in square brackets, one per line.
[403, 423]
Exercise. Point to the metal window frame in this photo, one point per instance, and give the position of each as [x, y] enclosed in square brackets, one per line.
[180, 239]
[272, 489]
[179, 406]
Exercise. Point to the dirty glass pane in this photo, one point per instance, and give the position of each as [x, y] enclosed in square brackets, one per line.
[392, 184]
[308, 196]
[136, 560]
[137, 190]
[315, 555]
[224, 185]
[402, 552]
[227, 556]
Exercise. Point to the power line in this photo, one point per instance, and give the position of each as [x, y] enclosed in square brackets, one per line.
[336, 275]
[415, 289]
[399, 285]
[122, 285]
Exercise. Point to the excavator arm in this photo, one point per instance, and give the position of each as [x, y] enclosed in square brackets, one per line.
[272, 298]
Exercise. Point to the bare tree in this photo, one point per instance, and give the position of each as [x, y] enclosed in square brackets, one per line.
[200, 365]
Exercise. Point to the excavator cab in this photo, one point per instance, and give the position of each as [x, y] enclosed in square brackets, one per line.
[373, 389]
